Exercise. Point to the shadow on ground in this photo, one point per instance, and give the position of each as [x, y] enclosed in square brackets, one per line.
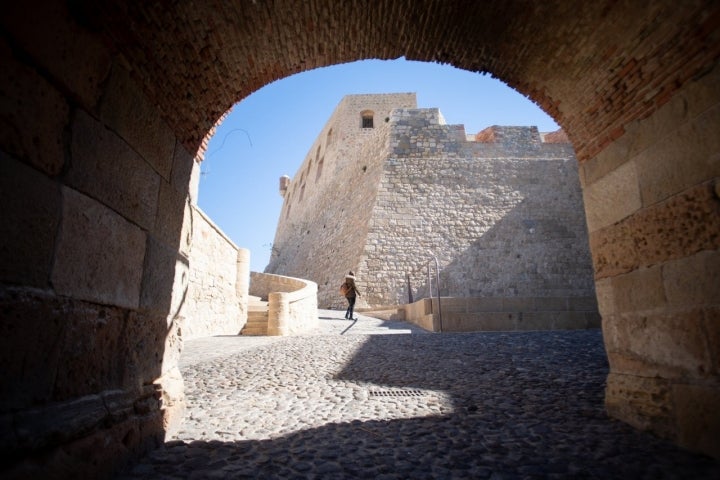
[524, 405]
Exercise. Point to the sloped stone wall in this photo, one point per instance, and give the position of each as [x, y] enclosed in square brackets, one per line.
[504, 216]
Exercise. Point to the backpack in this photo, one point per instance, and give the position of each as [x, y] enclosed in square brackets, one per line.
[344, 289]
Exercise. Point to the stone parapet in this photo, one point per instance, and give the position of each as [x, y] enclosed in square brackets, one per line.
[503, 313]
[292, 302]
[217, 291]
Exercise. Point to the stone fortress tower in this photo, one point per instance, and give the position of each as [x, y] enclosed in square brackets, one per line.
[386, 185]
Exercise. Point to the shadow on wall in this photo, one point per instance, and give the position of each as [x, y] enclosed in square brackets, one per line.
[540, 414]
[538, 248]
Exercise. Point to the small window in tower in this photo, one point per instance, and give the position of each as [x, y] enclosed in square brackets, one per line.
[367, 119]
[318, 174]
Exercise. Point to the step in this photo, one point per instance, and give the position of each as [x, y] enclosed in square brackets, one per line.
[254, 331]
[257, 320]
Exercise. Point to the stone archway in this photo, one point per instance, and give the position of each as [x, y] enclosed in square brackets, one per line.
[105, 105]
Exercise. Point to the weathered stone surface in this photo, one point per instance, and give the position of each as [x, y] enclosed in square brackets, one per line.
[134, 436]
[693, 280]
[211, 305]
[640, 290]
[91, 356]
[694, 144]
[687, 113]
[69, 54]
[29, 347]
[99, 254]
[31, 214]
[503, 218]
[165, 279]
[171, 214]
[107, 168]
[125, 110]
[696, 416]
[644, 403]
[712, 330]
[678, 227]
[605, 296]
[612, 198]
[93, 442]
[185, 175]
[143, 344]
[598, 67]
[28, 99]
[173, 400]
[671, 345]
[61, 422]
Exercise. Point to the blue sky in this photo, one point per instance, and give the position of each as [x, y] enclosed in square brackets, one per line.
[268, 134]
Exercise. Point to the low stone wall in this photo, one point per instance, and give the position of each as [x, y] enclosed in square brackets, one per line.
[292, 302]
[217, 293]
[500, 314]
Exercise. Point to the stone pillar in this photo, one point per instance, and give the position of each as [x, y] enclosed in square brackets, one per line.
[278, 313]
[242, 284]
[653, 207]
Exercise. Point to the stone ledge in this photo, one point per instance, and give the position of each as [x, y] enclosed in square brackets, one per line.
[501, 314]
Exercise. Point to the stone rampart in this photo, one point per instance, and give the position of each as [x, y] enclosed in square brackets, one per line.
[217, 294]
[328, 205]
[503, 215]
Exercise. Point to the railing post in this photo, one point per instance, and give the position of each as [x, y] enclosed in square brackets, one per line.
[278, 313]
[437, 273]
[242, 283]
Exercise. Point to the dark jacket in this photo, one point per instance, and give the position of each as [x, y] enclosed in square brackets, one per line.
[352, 290]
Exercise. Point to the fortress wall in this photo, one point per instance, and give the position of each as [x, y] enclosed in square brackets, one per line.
[322, 236]
[212, 304]
[503, 218]
[504, 215]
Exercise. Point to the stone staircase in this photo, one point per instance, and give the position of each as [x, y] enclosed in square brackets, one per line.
[257, 321]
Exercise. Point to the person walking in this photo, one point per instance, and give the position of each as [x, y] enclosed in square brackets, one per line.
[350, 290]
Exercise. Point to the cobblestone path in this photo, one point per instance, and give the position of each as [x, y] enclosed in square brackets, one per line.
[350, 402]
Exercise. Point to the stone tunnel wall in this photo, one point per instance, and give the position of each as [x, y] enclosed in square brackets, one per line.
[653, 201]
[104, 107]
[94, 263]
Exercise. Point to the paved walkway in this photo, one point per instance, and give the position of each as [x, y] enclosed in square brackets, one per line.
[351, 401]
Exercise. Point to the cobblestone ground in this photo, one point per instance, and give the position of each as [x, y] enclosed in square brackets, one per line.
[349, 402]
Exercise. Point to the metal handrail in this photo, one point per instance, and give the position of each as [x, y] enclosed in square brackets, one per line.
[437, 273]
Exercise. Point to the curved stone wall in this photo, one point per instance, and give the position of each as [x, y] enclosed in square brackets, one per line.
[292, 302]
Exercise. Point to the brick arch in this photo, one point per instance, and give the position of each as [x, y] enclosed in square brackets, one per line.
[593, 67]
[107, 103]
